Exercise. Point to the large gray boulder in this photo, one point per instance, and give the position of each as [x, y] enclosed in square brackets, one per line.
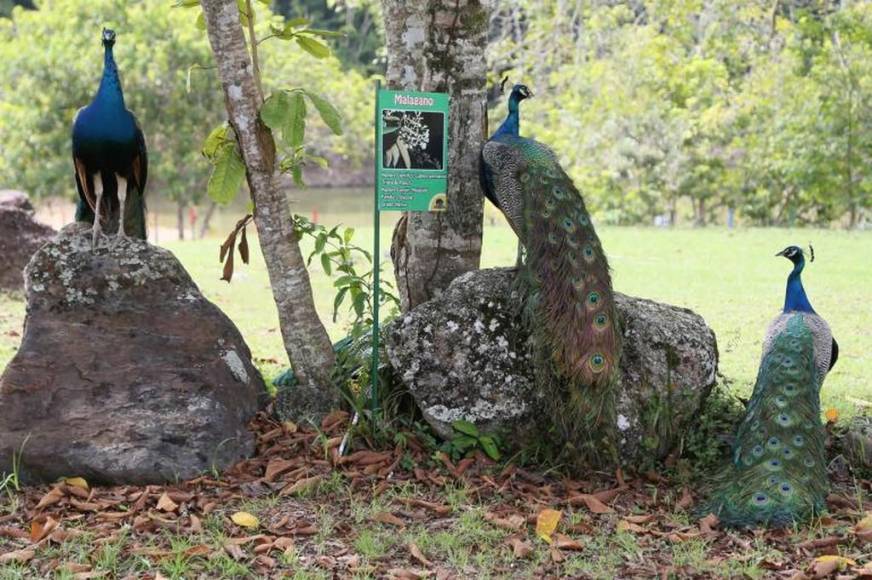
[20, 236]
[465, 355]
[126, 373]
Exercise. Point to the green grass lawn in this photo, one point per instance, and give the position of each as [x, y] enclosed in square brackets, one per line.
[731, 278]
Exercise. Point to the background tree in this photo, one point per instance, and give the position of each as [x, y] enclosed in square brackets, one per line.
[439, 45]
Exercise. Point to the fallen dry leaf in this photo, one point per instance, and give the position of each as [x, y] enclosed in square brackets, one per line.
[389, 518]
[512, 522]
[520, 548]
[564, 542]
[285, 544]
[245, 519]
[418, 555]
[198, 550]
[592, 503]
[79, 482]
[823, 566]
[196, 525]
[707, 524]
[627, 526]
[52, 497]
[42, 527]
[165, 504]
[546, 523]
[18, 556]
[301, 485]
[234, 551]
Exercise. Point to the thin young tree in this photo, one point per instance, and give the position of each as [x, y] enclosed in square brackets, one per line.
[305, 338]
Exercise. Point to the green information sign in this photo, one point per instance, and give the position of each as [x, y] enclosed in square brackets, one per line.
[411, 166]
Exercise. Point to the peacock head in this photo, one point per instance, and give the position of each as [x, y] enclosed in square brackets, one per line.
[108, 38]
[792, 253]
[521, 92]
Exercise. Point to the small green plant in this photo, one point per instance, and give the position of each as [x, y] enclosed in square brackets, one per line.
[12, 481]
[468, 438]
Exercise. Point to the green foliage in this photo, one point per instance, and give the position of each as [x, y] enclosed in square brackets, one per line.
[468, 438]
[50, 66]
[338, 255]
[51, 62]
[712, 102]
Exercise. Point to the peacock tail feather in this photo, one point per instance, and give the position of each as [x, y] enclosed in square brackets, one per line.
[778, 473]
[570, 306]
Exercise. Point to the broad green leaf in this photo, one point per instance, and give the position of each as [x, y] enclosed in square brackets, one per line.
[186, 3]
[294, 127]
[214, 141]
[297, 174]
[293, 22]
[359, 303]
[274, 110]
[337, 301]
[464, 442]
[490, 447]
[314, 47]
[320, 242]
[319, 161]
[201, 21]
[465, 427]
[326, 264]
[348, 234]
[227, 176]
[328, 112]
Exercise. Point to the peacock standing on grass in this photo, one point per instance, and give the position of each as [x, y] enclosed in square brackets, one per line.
[778, 473]
[569, 307]
[110, 157]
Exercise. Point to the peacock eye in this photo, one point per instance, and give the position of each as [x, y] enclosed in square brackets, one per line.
[597, 362]
[773, 442]
[784, 420]
[760, 499]
[601, 321]
[788, 452]
[568, 225]
[593, 298]
[757, 450]
[808, 462]
[799, 441]
[786, 488]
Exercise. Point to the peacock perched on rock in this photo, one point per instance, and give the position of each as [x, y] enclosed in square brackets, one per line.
[569, 307]
[778, 472]
[110, 157]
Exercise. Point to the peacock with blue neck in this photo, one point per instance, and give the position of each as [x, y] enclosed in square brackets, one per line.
[110, 157]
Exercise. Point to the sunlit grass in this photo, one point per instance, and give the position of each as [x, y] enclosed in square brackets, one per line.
[730, 277]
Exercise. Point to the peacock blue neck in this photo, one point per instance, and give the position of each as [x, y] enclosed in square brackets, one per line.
[512, 124]
[795, 299]
[110, 92]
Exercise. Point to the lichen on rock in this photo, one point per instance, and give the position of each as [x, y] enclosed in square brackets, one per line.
[466, 355]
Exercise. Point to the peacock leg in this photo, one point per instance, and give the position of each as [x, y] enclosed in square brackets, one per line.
[122, 200]
[97, 229]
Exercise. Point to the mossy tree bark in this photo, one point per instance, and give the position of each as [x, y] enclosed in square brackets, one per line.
[305, 338]
[439, 45]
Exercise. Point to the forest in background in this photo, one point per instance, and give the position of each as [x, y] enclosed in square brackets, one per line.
[663, 111]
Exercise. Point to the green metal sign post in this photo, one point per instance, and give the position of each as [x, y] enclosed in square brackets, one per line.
[411, 173]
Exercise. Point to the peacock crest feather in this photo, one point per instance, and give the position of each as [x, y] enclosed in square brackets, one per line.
[777, 475]
[570, 306]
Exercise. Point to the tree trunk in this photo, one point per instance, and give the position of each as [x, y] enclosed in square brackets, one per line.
[305, 338]
[439, 45]
[207, 219]
[180, 219]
